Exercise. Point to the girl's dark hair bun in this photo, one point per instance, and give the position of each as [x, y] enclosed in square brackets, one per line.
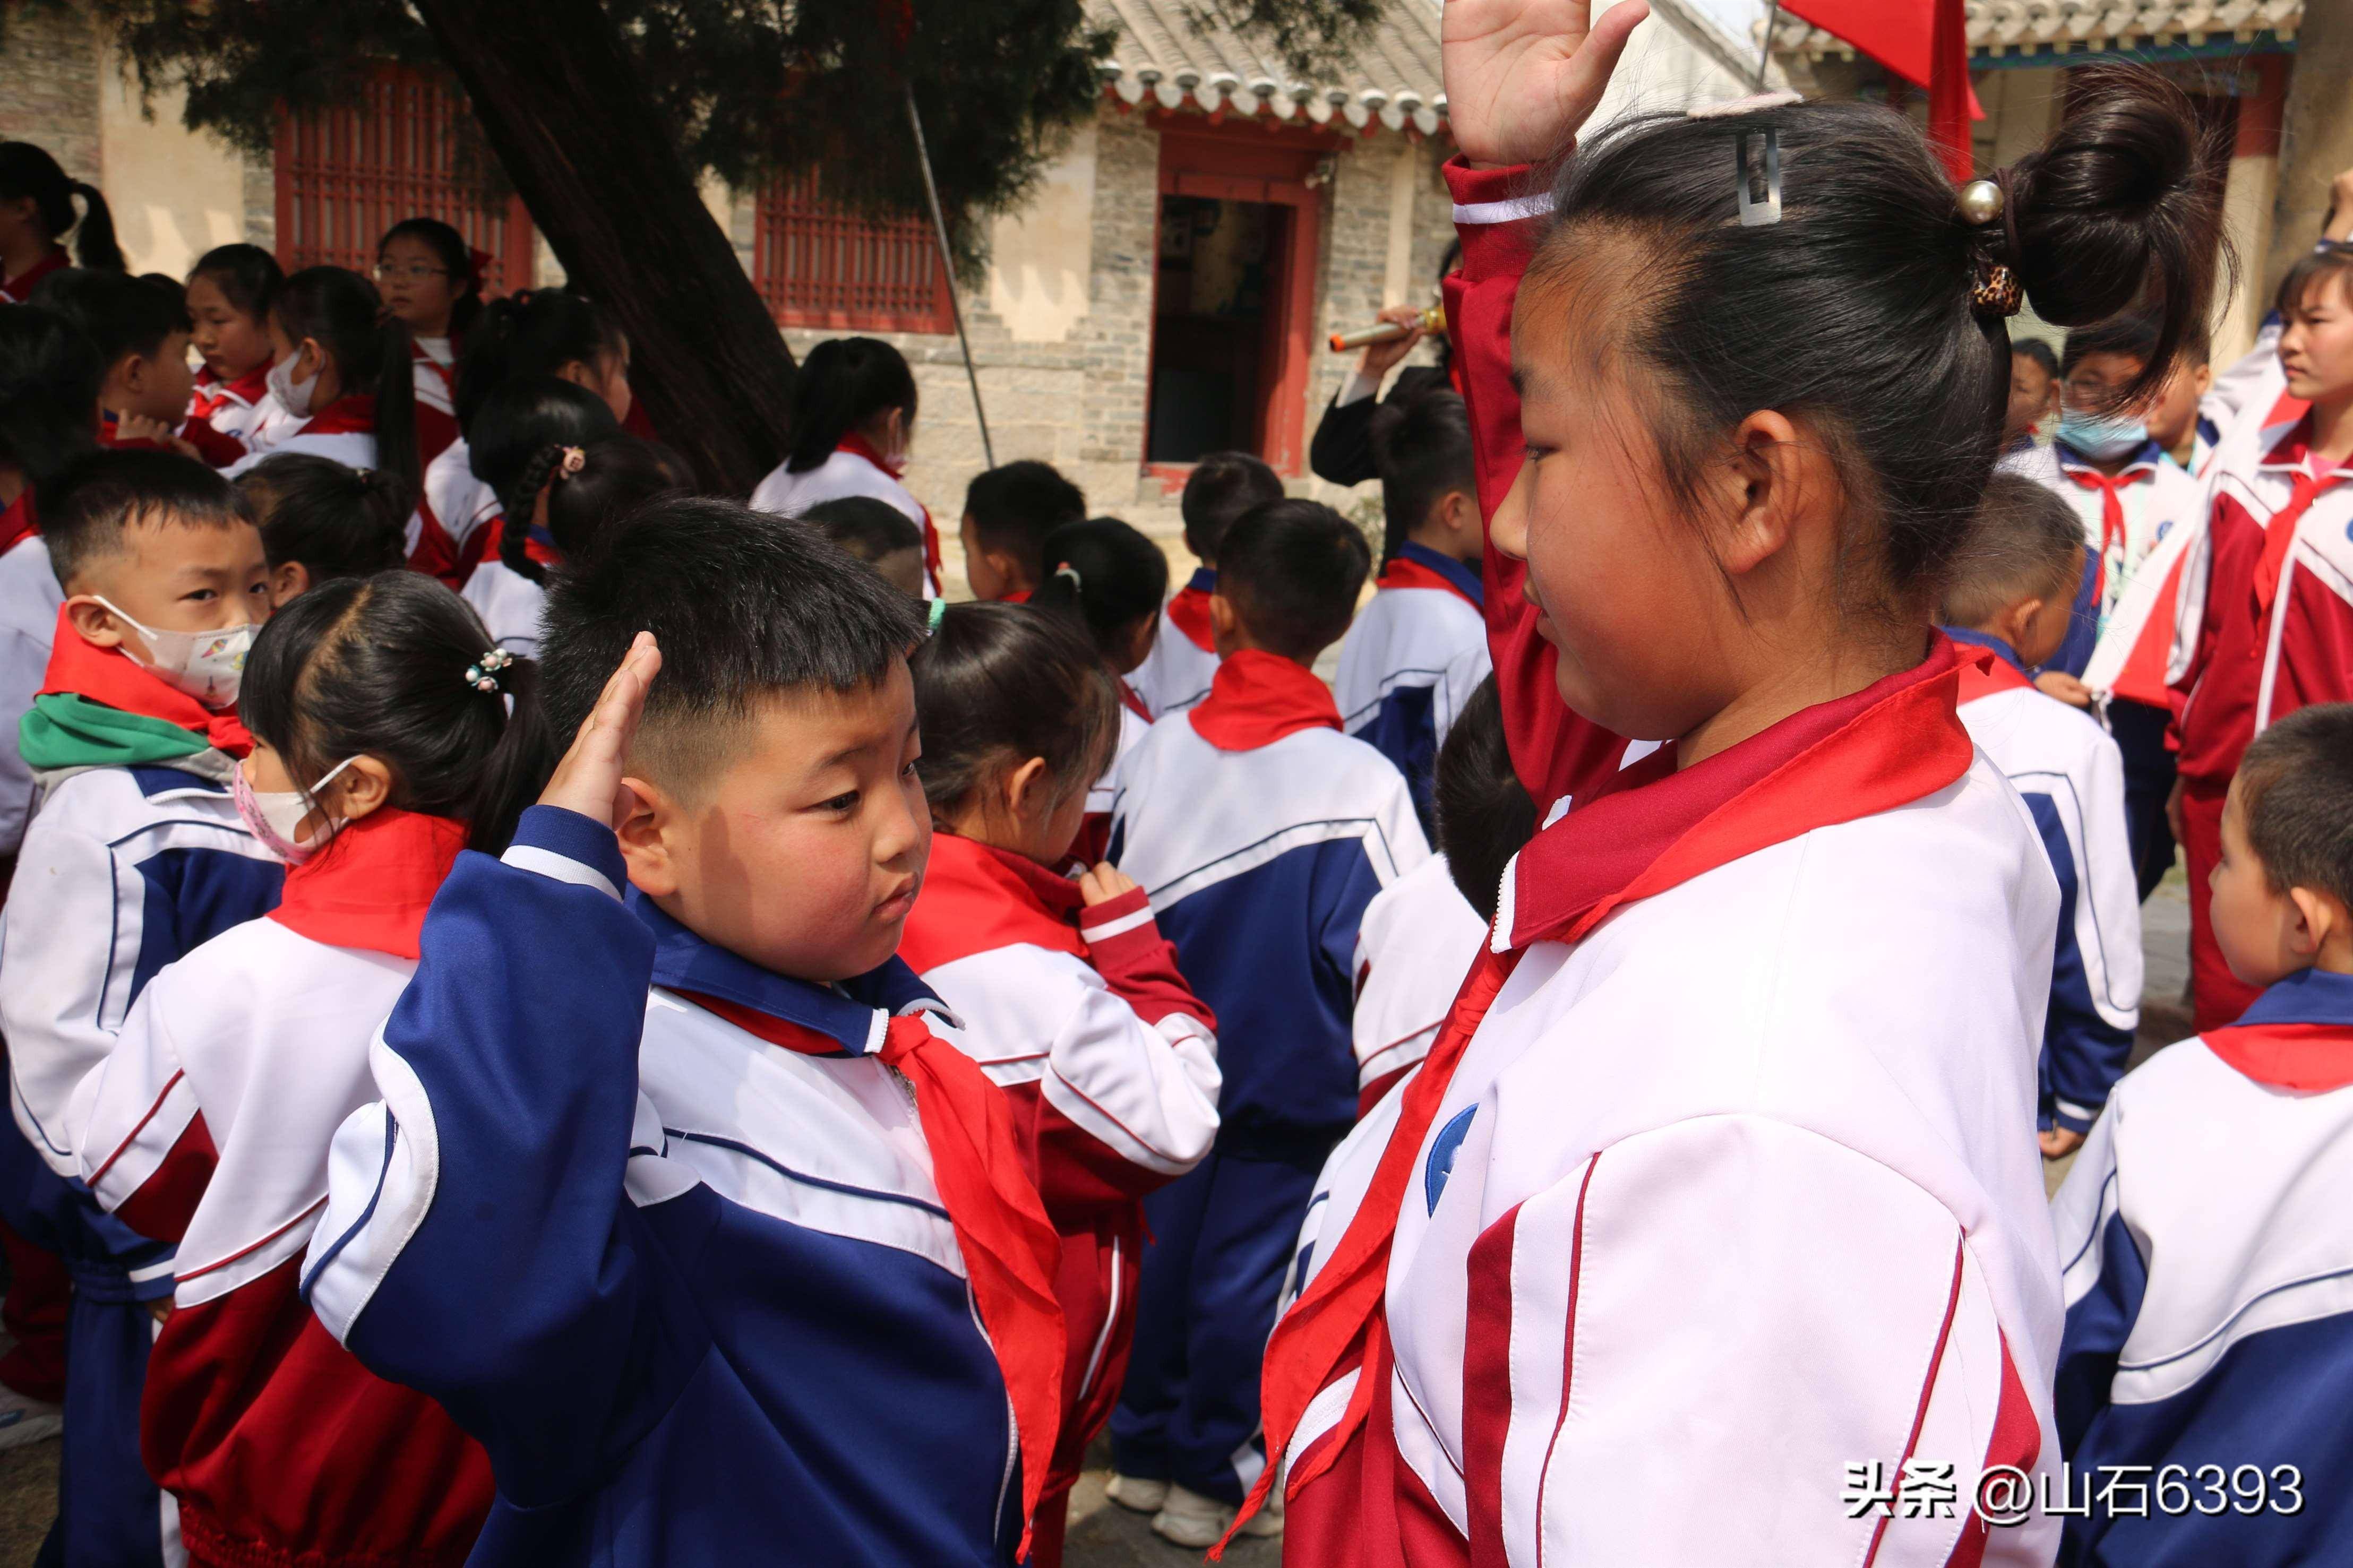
[2122, 207]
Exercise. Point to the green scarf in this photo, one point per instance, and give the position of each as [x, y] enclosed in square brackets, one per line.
[63, 730]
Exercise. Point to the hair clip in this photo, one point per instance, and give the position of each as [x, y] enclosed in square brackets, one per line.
[2332, 247]
[482, 675]
[1995, 291]
[937, 613]
[575, 460]
[1755, 102]
[1754, 212]
[1077, 584]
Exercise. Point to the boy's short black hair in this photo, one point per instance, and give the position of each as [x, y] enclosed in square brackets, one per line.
[1015, 507]
[2024, 544]
[745, 606]
[2039, 351]
[1485, 814]
[1222, 487]
[1292, 570]
[85, 508]
[1422, 448]
[2296, 792]
[124, 315]
[870, 528]
[2132, 334]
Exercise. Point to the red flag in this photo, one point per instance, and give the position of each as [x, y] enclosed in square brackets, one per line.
[1926, 42]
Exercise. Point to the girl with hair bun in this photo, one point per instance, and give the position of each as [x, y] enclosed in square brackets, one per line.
[1718, 1167]
[853, 424]
[1111, 579]
[37, 212]
[388, 736]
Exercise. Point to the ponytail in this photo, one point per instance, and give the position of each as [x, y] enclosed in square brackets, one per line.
[395, 407]
[393, 666]
[842, 384]
[26, 170]
[1104, 575]
[520, 434]
[535, 332]
[337, 521]
[998, 684]
[520, 503]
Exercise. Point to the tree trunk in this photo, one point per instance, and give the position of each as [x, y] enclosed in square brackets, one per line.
[581, 139]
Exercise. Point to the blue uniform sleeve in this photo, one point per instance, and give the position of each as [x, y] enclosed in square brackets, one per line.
[481, 1244]
[2087, 1034]
[2103, 1279]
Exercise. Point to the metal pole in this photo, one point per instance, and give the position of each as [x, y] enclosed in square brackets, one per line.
[947, 262]
[1765, 50]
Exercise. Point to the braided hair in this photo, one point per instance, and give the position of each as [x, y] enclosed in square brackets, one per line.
[519, 437]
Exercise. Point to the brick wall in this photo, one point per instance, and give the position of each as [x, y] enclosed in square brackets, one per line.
[49, 84]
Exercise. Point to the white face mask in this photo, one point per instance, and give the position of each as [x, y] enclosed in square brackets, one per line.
[275, 816]
[294, 395]
[207, 666]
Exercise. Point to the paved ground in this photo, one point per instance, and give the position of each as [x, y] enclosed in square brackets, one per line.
[1103, 1534]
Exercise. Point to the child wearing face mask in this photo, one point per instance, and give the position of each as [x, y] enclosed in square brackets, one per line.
[853, 423]
[1070, 995]
[389, 734]
[343, 373]
[229, 291]
[135, 855]
[1720, 1164]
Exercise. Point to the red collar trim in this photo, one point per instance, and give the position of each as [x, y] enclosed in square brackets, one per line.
[1258, 697]
[1018, 596]
[2310, 1058]
[15, 289]
[1127, 696]
[1653, 828]
[1417, 566]
[2294, 450]
[859, 446]
[113, 678]
[1188, 612]
[494, 534]
[248, 389]
[350, 415]
[371, 884]
[20, 521]
[1988, 675]
[108, 439]
[978, 897]
[768, 1027]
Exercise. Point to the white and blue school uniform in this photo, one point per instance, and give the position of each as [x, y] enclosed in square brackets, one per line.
[1417, 942]
[853, 468]
[1260, 834]
[1427, 613]
[29, 601]
[694, 1286]
[2071, 776]
[123, 870]
[1177, 673]
[510, 605]
[2209, 1291]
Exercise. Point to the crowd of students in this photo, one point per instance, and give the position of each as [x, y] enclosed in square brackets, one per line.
[551, 1017]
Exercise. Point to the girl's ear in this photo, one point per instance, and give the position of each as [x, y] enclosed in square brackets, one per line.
[1769, 490]
[364, 787]
[288, 580]
[1027, 790]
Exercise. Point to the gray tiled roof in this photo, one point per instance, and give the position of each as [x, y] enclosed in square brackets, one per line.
[1394, 77]
[1997, 27]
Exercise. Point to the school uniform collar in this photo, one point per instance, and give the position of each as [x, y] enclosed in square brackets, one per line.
[1258, 697]
[857, 446]
[848, 1018]
[978, 897]
[248, 389]
[2143, 462]
[112, 678]
[1653, 828]
[1419, 566]
[1204, 579]
[2293, 451]
[2297, 1035]
[1127, 697]
[16, 289]
[351, 415]
[2002, 650]
[538, 545]
[370, 885]
[1188, 612]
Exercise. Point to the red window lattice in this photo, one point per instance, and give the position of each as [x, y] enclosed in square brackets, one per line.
[820, 265]
[346, 174]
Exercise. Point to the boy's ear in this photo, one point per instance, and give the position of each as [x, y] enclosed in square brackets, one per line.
[2318, 918]
[1225, 626]
[94, 623]
[288, 581]
[641, 820]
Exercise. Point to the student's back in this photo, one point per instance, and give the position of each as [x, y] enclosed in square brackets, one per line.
[1183, 661]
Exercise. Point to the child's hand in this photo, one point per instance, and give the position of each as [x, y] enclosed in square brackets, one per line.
[2066, 688]
[1523, 75]
[589, 779]
[2059, 1142]
[1103, 884]
[140, 427]
[1379, 358]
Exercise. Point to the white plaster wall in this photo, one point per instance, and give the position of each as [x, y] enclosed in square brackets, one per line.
[175, 193]
[1040, 257]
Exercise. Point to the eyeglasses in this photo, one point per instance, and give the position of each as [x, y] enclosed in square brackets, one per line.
[412, 272]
